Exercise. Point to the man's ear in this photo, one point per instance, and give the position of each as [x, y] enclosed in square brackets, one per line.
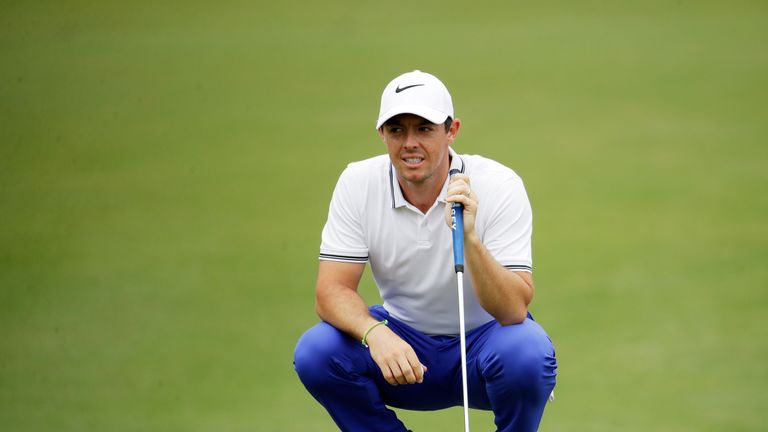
[453, 130]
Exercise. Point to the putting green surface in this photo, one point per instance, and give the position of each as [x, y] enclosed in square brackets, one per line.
[165, 170]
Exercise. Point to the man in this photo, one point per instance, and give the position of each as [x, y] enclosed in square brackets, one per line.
[391, 211]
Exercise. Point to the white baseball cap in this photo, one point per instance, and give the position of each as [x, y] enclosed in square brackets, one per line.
[417, 93]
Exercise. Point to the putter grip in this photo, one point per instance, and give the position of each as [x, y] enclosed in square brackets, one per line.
[457, 229]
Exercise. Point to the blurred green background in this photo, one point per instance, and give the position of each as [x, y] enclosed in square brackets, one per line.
[165, 171]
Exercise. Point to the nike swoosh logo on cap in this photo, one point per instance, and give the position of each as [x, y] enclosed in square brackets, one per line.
[399, 89]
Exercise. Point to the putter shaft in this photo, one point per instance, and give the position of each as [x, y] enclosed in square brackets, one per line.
[463, 343]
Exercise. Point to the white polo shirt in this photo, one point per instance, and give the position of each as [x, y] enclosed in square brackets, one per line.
[411, 253]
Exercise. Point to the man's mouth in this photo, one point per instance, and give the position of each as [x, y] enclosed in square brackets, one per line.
[413, 160]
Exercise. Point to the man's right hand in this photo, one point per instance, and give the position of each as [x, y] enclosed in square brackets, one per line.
[339, 304]
[396, 359]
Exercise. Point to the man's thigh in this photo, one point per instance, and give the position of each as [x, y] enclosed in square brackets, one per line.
[505, 360]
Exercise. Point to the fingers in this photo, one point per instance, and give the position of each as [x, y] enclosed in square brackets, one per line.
[460, 191]
[397, 360]
[459, 188]
[405, 369]
[413, 370]
[418, 369]
[402, 374]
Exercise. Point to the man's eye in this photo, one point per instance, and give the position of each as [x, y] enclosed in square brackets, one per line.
[425, 129]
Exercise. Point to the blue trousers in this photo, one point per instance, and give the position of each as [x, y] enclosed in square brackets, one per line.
[510, 370]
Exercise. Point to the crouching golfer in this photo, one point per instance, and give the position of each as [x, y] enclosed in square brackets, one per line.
[390, 211]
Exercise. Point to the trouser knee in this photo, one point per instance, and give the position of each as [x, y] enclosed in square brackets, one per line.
[310, 358]
[322, 357]
[520, 356]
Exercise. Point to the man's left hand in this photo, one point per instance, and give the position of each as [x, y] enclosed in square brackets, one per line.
[459, 190]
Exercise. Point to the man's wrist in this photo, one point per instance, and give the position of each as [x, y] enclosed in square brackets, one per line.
[472, 239]
[364, 339]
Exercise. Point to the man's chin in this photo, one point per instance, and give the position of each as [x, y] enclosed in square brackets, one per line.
[414, 178]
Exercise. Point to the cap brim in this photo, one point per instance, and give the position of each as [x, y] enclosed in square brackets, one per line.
[433, 115]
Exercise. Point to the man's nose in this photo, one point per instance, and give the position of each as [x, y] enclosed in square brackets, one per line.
[411, 140]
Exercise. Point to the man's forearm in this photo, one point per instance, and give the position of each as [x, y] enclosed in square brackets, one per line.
[344, 309]
[338, 303]
[502, 293]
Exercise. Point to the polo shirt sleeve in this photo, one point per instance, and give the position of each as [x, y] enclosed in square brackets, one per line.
[342, 238]
[508, 233]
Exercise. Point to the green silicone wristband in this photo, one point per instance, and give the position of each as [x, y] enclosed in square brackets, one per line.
[365, 335]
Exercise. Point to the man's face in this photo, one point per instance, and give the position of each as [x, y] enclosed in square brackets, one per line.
[418, 148]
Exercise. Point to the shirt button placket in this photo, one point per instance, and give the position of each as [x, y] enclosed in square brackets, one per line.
[423, 241]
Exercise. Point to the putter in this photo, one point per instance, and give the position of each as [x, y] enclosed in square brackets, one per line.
[457, 227]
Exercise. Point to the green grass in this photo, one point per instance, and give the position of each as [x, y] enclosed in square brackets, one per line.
[165, 171]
